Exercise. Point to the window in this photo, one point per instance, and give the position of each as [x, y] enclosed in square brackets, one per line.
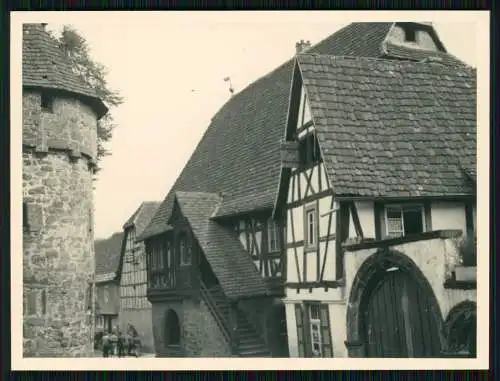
[309, 152]
[273, 236]
[106, 294]
[313, 330]
[47, 103]
[410, 34]
[311, 227]
[184, 251]
[404, 220]
[315, 327]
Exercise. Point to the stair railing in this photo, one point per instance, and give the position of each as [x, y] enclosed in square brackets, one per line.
[224, 324]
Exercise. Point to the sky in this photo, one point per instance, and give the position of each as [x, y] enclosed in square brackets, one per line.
[170, 69]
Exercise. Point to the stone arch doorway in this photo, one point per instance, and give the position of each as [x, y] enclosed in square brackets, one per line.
[392, 310]
[172, 329]
[461, 330]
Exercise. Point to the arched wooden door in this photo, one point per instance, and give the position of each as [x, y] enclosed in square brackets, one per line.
[398, 319]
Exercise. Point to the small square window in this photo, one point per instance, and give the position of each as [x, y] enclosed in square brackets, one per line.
[47, 103]
[410, 35]
[404, 220]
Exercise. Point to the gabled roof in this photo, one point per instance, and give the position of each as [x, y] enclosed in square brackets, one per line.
[107, 257]
[239, 154]
[45, 65]
[228, 259]
[392, 128]
[138, 220]
[142, 216]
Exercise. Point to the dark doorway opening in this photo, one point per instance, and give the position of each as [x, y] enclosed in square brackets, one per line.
[172, 329]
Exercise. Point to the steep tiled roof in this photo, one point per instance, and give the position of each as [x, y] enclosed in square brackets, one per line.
[393, 128]
[228, 259]
[107, 255]
[46, 65]
[239, 153]
[142, 216]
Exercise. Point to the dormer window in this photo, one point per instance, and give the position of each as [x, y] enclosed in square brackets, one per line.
[47, 103]
[410, 34]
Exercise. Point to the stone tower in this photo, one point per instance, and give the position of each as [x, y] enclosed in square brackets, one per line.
[60, 115]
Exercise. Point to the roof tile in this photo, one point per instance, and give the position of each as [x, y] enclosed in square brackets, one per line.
[45, 65]
[410, 141]
[228, 259]
[239, 154]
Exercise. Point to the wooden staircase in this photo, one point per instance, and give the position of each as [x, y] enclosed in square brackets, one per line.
[248, 343]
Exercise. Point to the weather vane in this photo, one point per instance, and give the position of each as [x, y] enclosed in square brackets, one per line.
[231, 89]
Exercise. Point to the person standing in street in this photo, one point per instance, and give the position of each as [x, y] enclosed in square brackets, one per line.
[106, 344]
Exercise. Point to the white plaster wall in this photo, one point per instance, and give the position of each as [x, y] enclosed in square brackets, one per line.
[298, 224]
[432, 258]
[291, 326]
[338, 328]
[448, 215]
[366, 219]
[324, 206]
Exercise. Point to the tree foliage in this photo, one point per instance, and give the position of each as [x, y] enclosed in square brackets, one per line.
[94, 75]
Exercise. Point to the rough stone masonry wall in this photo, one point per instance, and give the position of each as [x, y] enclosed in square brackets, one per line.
[58, 256]
[200, 334]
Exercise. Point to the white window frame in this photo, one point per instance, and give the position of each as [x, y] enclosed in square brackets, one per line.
[311, 240]
[273, 231]
[315, 323]
[402, 208]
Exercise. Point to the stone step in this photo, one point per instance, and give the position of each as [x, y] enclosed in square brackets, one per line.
[264, 353]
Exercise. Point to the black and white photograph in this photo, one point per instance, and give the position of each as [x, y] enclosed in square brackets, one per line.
[287, 189]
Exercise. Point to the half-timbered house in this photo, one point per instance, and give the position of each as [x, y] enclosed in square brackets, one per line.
[107, 259]
[377, 182]
[135, 308]
[217, 258]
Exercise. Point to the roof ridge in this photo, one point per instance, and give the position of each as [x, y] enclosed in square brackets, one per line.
[424, 61]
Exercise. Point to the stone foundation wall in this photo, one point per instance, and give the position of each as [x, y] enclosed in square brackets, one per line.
[58, 253]
[200, 334]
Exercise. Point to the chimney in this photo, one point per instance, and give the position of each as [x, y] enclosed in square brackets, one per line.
[302, 46]
[44, 25]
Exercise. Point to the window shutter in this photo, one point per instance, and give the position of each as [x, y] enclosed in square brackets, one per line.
[301, 339]
[325, 331]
